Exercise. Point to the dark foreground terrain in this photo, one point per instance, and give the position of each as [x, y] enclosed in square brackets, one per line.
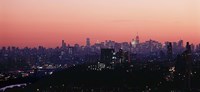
[125, 77]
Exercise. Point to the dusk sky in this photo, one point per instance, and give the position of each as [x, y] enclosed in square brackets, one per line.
[46, 22]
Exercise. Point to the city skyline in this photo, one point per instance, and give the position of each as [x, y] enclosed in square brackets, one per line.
[99, 45]
[35, 22]
[88, 43]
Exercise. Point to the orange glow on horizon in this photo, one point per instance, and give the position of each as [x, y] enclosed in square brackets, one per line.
[46, 22]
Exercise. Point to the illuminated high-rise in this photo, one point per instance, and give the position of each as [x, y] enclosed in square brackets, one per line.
[107, 55]
[137, 39]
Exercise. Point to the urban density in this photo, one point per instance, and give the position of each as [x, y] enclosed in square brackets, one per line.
[99, 45]
[102, 67]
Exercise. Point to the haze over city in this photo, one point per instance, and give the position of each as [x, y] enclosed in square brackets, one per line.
[35, 22]
[99, 45]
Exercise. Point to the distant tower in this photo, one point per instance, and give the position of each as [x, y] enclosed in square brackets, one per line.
[169, 51]
[180, 43]
[192, 47]
[63, 44]
[188, 47]
[137, 39]
[88, 42]
[133, 43]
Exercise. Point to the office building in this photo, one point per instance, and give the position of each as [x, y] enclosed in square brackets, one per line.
[107, 55]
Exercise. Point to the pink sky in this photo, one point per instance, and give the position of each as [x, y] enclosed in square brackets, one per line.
[47, 22]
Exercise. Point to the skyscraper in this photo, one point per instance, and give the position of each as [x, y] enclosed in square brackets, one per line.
[107, 55]
[188, 47]
[192, 47]
[198, 48]
[135, 42]
[137, 39]
[88, 42]
[180, 43]
[169, 51]
[63, 44]
[183, 68]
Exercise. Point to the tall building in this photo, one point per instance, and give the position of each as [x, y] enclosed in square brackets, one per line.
[137, 39]
[123, 56]
[175, 48]
[63, 44]
[183, 68]
[150, 46]
[133, 43]
[107, 55]
[180, 43]
[188, 47]
[188, 59]
[192, 47]
[197, 48]
[180, 47]
[70, 50]
[169, 51]
[88, 42]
